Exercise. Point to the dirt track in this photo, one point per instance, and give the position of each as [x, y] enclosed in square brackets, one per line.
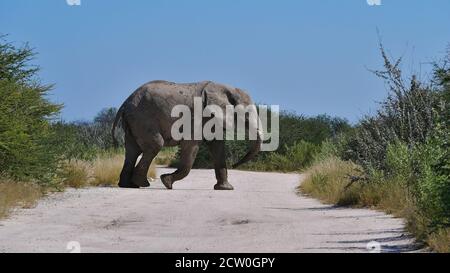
[263, 214]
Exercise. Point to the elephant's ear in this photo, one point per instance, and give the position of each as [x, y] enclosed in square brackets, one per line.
[204, 96]
[233, 96]
[214, 94]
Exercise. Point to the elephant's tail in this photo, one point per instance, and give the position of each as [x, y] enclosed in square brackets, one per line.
[116, 121]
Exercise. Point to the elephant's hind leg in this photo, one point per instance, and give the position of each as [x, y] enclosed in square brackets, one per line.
[132, 152]
[151, 150]
[188, 151]
[217, 150]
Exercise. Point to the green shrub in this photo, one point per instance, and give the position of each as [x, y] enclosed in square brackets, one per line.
[27, 142]
[432, 191]
[294, 158]
[298, 156]
[73, 144]
[295, 128]
[328, 148]
[405, 154]
[398, 160]
[409, 114]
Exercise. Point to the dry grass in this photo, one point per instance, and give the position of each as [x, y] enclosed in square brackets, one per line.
[17, 194]
[440, 241]
[166, 156]
[75, 174]
[152, 171]
[104, 171]
[328, 180]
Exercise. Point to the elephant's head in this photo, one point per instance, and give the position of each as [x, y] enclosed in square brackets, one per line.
[223, 96]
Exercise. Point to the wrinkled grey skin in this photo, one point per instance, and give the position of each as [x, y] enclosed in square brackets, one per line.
[147, 122]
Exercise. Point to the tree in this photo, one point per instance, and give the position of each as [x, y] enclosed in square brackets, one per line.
[27, 142]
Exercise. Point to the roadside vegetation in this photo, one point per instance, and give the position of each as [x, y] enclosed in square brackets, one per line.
[16, 194]
[39, 153]
[397, 160]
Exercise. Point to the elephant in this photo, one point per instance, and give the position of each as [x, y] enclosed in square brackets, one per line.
[147, 121]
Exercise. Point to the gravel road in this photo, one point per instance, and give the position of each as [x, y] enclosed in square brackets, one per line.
[262, 214]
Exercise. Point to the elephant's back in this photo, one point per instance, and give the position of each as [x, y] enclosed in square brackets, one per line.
[168, 94]
[162, 96]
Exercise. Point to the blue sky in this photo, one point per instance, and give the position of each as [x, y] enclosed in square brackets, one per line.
[308, 56]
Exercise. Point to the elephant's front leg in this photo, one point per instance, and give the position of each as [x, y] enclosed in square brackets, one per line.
[188, 153]
[217, 150]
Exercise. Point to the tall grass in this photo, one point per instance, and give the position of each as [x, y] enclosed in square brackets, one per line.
[75, 173]
[404, 152]
[334, 181]
[17, 194]
[328, 180]
[104, 171]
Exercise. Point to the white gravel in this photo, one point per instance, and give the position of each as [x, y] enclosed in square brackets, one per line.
[262, 214]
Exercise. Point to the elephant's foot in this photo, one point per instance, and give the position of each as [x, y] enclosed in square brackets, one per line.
[140, 181]
[225, 186]
[128, 185]
[165, 179]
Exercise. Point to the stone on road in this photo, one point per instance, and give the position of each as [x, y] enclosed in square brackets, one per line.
[263, 214]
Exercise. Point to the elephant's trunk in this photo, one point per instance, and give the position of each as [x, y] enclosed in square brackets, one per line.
[255, 147]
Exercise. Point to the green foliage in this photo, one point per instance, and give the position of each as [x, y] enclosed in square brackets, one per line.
[409, 139]
[294, 158]
[405, 153]
[300, 137]
[73, 144]
[98, 133]
[423, 171]
[14, 63]
[85, 140]
[328, 148]
[27, 141]
[432, 189]
[294, 128]
[398, 160]
[408, 114]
